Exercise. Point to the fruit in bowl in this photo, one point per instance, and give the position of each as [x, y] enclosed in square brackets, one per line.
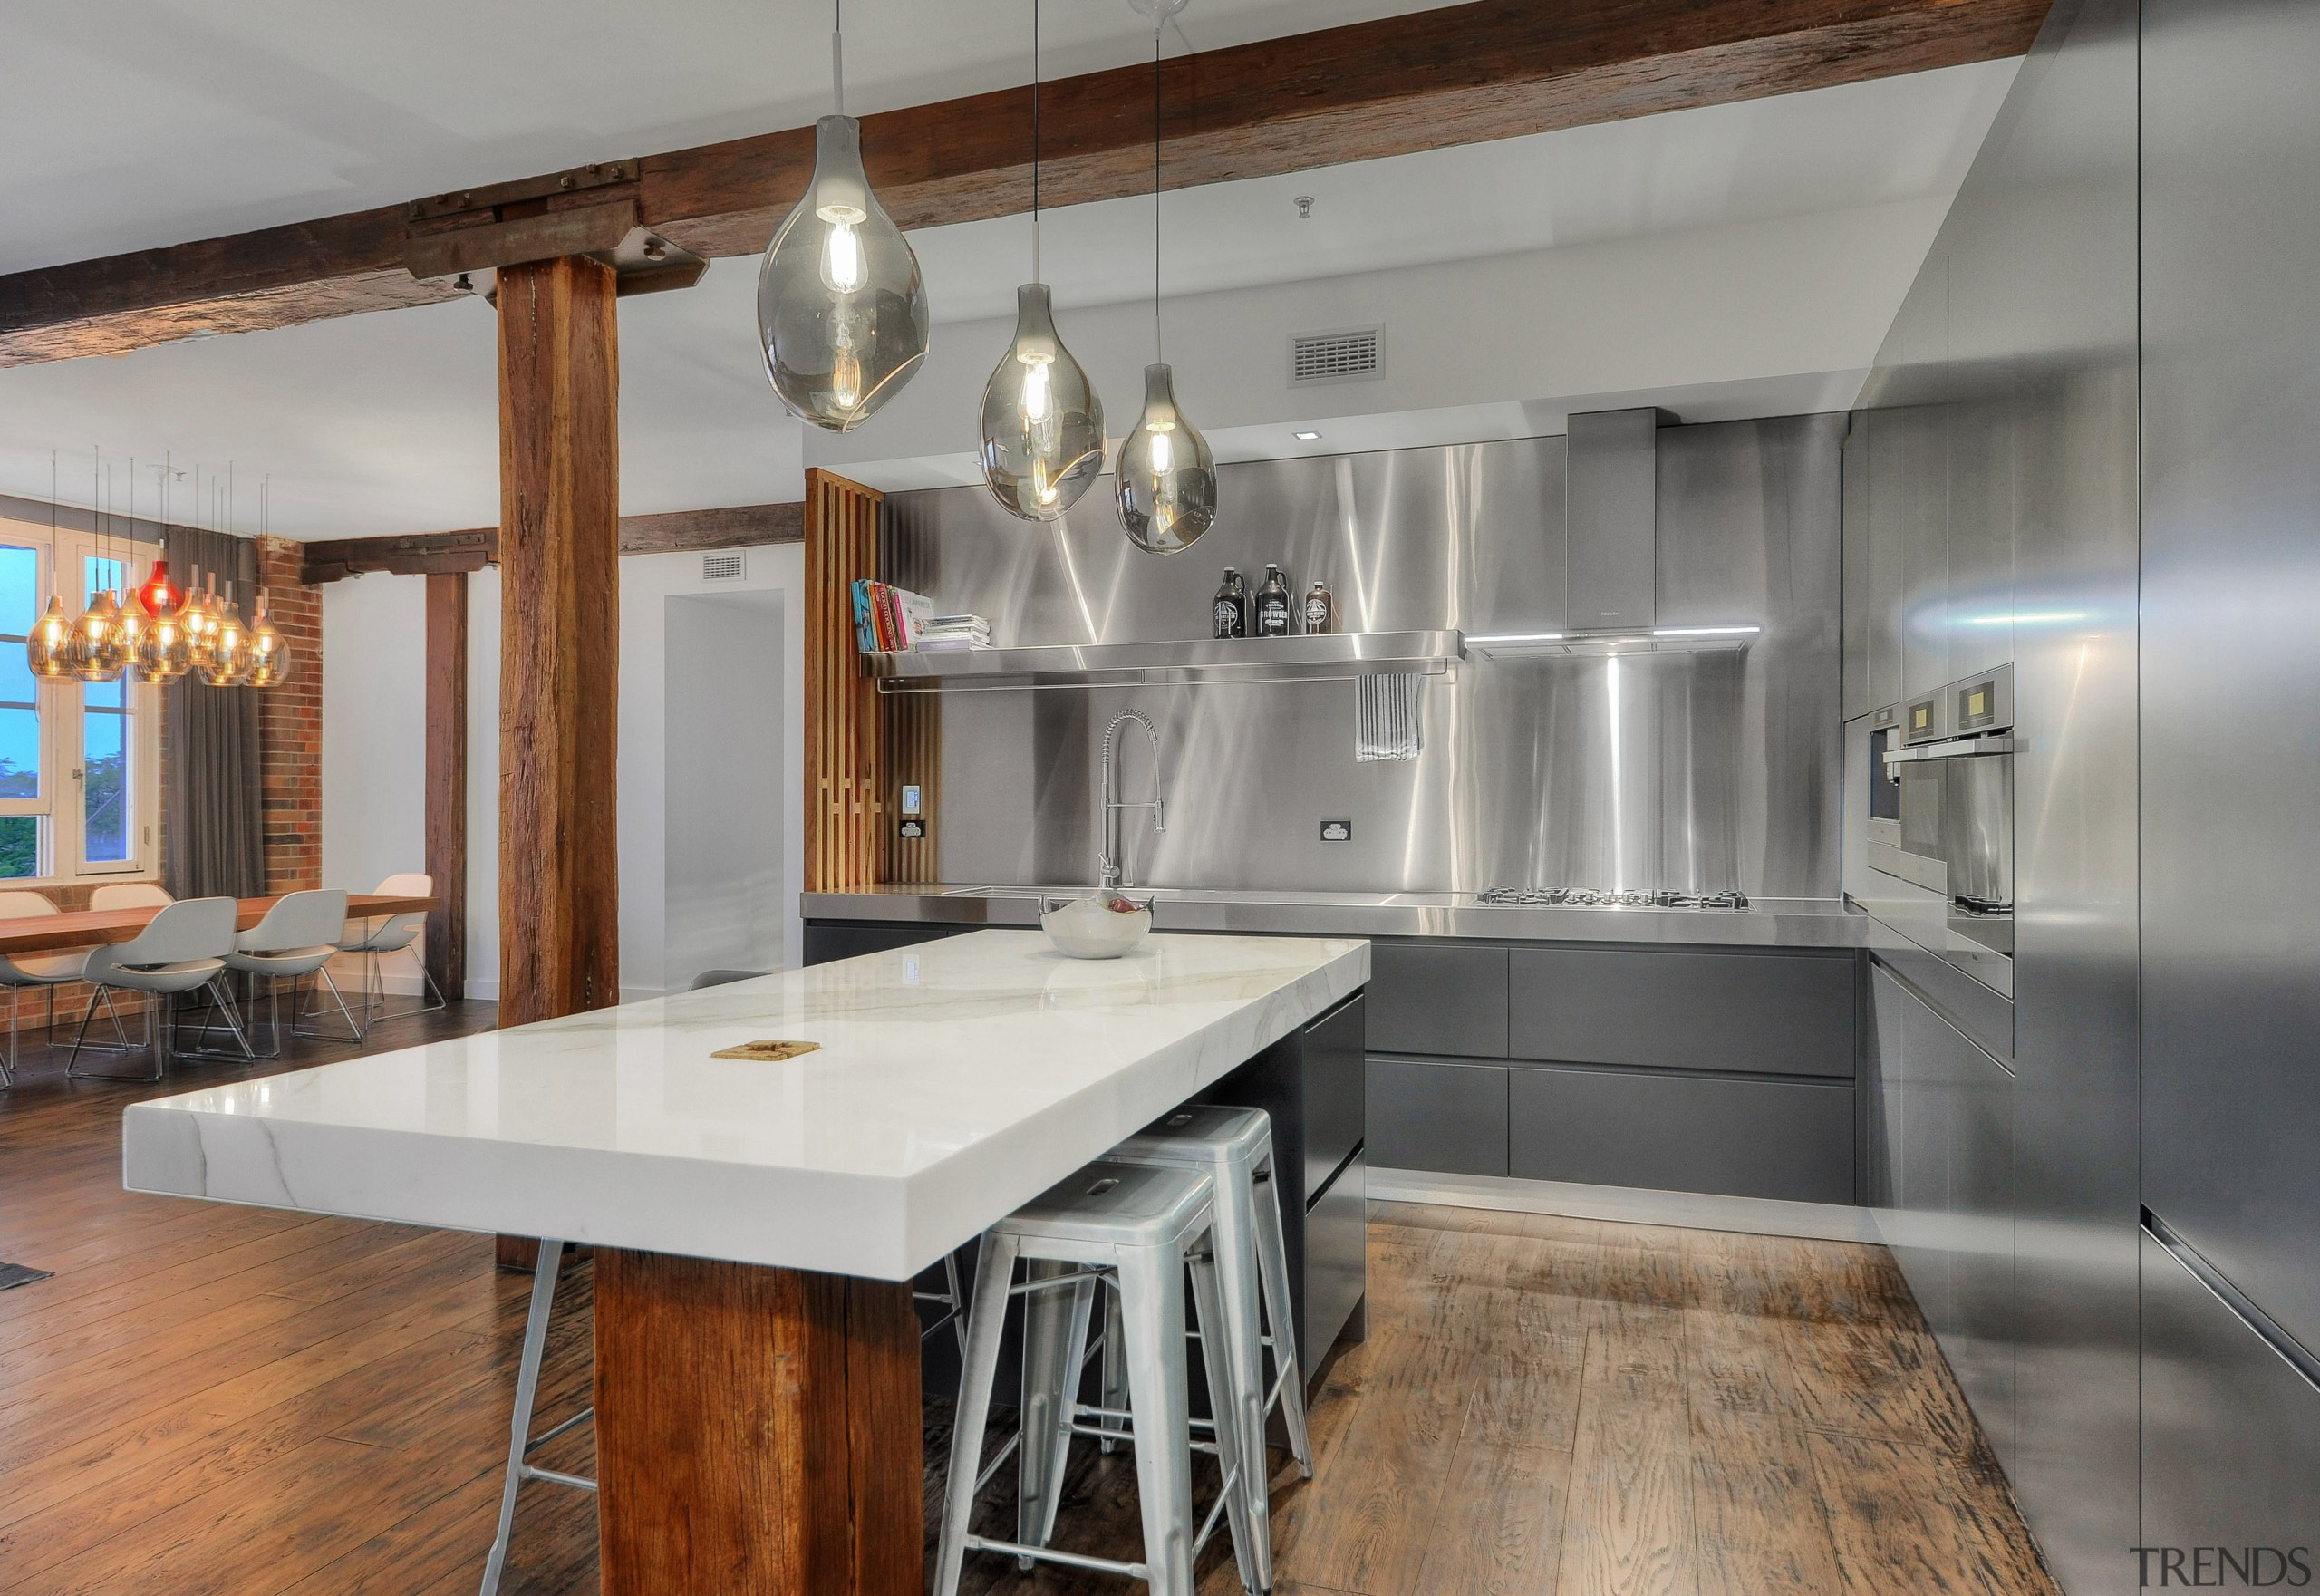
[1102, 924]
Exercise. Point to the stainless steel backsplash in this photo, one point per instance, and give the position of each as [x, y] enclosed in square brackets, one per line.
[1704, 771]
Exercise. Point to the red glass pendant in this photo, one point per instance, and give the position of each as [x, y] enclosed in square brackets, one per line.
[159, 596]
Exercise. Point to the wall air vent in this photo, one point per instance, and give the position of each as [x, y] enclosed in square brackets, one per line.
[724, 568]
[1349, 354]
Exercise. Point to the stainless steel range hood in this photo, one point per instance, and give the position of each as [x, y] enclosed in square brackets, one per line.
[1611, 540]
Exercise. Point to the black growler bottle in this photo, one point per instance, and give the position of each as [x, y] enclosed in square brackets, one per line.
[1274, 605]
[1231, 607]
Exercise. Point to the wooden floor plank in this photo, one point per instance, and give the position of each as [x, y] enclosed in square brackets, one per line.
[215, 1399]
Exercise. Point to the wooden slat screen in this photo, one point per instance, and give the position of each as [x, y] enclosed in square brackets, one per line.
[846, 818]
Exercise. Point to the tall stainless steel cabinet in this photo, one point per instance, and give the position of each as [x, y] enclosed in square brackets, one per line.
[2231, 771]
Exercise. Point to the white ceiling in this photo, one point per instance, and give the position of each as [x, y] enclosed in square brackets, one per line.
[386, 422]
[130, 123]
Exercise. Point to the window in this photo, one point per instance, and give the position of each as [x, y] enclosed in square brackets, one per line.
[96, 744]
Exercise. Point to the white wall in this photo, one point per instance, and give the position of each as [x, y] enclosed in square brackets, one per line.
[1776, 317]
[375, 723]
[725, 780]
[373, 731]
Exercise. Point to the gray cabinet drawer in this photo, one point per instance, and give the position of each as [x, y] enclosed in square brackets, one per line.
[1686, 1132]
[1437, 1000]
[1763, 1013]
[1334, 1079]
[1337, 1241]
[1450, 1117]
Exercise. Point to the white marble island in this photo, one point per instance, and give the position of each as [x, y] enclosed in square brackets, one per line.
[757, 1221]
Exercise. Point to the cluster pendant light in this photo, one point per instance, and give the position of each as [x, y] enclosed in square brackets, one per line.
[842, 311]
[160, 630]
[1165, 477]
[1042, 419]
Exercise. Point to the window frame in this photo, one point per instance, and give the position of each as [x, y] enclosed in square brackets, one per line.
[62, 708]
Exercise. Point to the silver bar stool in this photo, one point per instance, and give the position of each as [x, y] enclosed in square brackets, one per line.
[1138, 1230]
[1234, 1147]
[521, 1442]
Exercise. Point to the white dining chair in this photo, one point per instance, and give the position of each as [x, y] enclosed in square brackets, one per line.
[130, 895]
[183, 949]
[33, 970]
[372, 938]
[298, 938]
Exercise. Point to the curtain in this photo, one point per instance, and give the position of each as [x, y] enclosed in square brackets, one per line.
[213, 819]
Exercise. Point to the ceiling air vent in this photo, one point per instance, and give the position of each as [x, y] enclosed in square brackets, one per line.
[1350, 354]
[723, 567]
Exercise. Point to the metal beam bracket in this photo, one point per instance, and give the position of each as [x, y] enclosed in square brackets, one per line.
[468, 235]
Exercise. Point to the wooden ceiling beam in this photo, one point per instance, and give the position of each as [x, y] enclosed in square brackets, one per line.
[415, 554]
[1454, 74]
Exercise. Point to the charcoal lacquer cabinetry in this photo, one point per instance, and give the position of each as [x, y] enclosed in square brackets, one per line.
[1687, 1069]
[1943, 1180]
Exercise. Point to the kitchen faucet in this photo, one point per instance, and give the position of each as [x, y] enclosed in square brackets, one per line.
[1111, 865]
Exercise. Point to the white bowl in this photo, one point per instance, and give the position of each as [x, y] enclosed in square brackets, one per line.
[1090, 927]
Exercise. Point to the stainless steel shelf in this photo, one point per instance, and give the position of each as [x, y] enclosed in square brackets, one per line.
[1673, 640]
[1191, 662]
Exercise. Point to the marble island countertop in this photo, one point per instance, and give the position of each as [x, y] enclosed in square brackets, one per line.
[1812, 922]
[950, 1083]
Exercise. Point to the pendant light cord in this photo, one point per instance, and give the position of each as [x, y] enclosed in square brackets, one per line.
[1036, 275]
[1158, 16]
[837, 53]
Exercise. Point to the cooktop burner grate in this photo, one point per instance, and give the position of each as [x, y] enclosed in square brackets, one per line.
[1582, 898]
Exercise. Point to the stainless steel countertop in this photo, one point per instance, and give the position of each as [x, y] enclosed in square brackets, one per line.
[1787, 923]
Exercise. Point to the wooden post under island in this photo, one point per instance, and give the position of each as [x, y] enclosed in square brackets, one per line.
[757, 1222]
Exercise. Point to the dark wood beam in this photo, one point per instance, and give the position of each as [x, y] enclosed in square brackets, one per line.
[447, 779]
[1456, 74]
[444, 553]
[559, 630]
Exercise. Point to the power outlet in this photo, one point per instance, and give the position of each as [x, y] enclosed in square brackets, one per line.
[1336, 831]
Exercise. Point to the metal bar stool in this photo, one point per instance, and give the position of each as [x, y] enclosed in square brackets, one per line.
[521, 1442]
[1234, 1146]
[1138, 1229]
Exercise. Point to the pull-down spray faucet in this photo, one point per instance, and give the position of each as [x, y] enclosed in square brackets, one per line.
[1111, 863]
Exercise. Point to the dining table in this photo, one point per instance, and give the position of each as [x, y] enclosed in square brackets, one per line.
[762, 1168]
[87, 928]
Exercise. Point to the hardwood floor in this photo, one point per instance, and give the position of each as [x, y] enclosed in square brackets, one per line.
[210, 1399]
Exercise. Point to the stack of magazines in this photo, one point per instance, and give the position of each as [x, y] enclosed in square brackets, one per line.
[954, 632]
[889, 620]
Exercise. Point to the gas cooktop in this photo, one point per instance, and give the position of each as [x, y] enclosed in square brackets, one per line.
[1582, 898]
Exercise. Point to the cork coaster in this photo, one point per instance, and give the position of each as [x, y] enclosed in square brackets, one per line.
[766, 1052]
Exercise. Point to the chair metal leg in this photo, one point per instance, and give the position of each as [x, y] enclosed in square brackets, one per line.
[8, 1064]
[985, 1321]
[520, 1439]
[356, 1030]
[1288, 1378]
[1152, 1293]
[1114, 1386]
[72, 1065]
[1252, 1551]
[1240, 1348]
[1055, 1329]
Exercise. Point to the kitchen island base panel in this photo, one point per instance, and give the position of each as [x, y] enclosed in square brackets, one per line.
[758, 1430]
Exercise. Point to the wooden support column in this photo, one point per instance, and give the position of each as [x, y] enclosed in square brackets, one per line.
[559, 617]
[447, 779]
[757, 1431]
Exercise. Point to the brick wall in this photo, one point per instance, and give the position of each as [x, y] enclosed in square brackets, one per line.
[290, 724]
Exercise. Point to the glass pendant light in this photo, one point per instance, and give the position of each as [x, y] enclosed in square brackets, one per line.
[200, 617]
[229, 649]
[1165, 477]
[48, 649]
[842, 311]
[269, 651]
[129, 619]
[1042, 419]
[159, 596]
[93, 653]
[48, 645]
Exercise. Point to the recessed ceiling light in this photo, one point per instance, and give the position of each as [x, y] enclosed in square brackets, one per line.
[1305, 437]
